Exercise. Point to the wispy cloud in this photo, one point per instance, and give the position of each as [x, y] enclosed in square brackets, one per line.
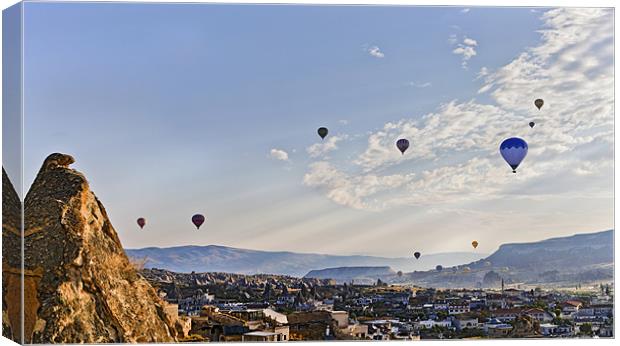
[452, 39]
[466, 49]
[375, 52]
[419, 84]
[465, 10]
[454, 157]
[324, 147]
[278, 154]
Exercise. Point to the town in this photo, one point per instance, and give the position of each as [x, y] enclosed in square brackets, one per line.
[233, 307]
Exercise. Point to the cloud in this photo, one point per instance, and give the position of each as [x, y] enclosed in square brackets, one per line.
[343, 122]
[470, 41]
[466, 49]
[325, 146]
[483, 72]
[465, 10]
[453, 157]
[348, 190]
[452, 39]
[419, 85]
[278, 154]
[375, 51]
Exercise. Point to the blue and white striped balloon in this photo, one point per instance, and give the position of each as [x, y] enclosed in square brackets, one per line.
[513, 150]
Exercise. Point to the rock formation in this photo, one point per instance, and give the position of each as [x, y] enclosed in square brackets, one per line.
[79, 285]
[11, 261]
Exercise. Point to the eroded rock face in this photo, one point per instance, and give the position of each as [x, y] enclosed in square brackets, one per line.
[81, 287]
[11, 260]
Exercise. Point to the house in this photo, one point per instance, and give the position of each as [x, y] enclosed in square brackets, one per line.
[548, 329]
[275, 316]
[359, 331]
[506, 315]
[464, 322]
[571, 307]
[428, 324]
[539, 314]
[496, 301]
[280, 334]
[458, 308]
[440, 305]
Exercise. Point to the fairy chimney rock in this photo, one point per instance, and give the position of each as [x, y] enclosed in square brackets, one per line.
[79, 285]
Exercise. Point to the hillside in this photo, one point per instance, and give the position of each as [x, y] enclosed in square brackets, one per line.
[214, 258]
[361, 275]
[562, 261]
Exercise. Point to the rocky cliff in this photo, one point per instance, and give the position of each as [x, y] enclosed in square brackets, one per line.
[79, 285]
[11, 261]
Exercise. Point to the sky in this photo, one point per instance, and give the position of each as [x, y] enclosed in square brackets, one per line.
[177, 109]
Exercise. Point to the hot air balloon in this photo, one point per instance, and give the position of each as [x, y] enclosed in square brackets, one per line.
[474, 244]
[513, 150]
[416, 255]
[487, 264]
[539, 103]
[532, 124]
[399, 273]
[141, 222]
[402, 145]
[439, 268]
[322, 131]
[198, 220]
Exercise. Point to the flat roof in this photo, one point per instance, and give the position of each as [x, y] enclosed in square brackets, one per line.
[259, 333]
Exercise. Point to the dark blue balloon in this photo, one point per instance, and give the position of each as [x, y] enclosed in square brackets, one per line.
[402, 145]
[513, 150]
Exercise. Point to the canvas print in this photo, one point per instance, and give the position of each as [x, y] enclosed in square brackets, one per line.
[279, 173]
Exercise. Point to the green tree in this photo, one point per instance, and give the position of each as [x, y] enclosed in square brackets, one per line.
[586, 329]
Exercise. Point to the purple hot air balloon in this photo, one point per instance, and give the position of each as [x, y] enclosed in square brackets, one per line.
[402, 145]
[198, 220]
[513, 150]
[141, 222]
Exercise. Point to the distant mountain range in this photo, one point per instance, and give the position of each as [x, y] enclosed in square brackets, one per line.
[214, 258]
[563, 261]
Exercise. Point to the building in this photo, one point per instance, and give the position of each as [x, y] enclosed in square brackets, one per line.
[571, 307]
[458, 308]
[548, 329]
[539, 314]
[262, 336]
[464, 322]
[428, 324]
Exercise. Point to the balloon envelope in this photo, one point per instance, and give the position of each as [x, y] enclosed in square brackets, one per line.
[402, 145]
[513, 150]
[474, 244]
[532, 124]
[439, 268]
[416, 255]
[539, 103]
[141, 222]
[198, 220]
[322, 131]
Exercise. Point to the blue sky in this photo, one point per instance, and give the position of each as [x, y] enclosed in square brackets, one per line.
[171, 110]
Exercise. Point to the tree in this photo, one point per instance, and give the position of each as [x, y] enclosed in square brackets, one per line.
[585, 329]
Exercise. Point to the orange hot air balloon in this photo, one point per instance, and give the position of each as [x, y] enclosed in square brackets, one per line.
[474, 244]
